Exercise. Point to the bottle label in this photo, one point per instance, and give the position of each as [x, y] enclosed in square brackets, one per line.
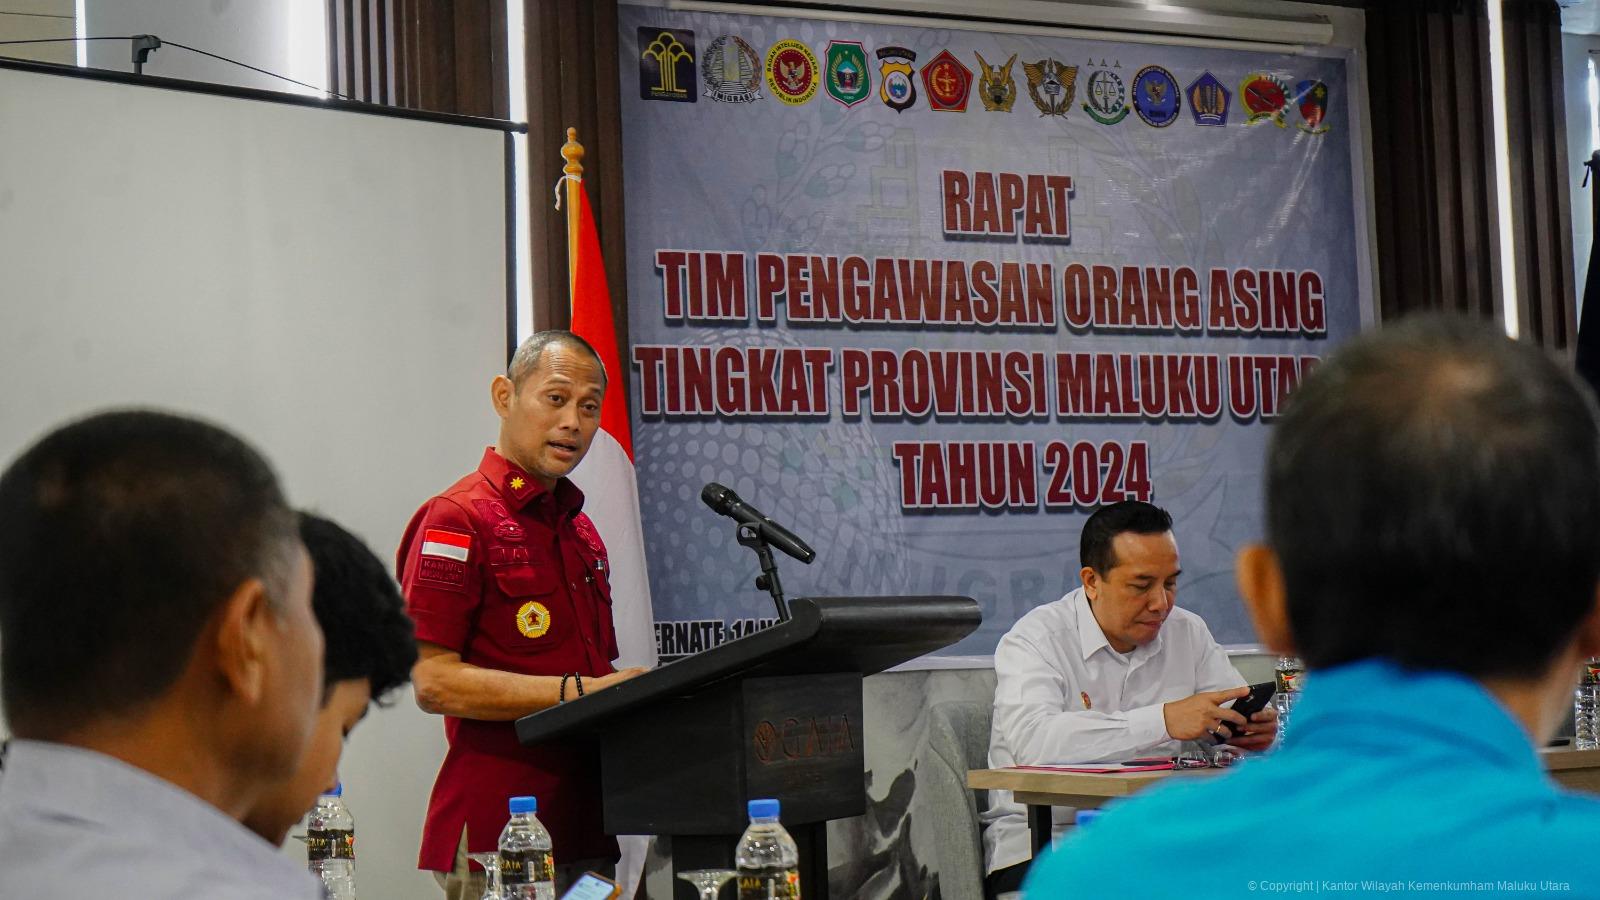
[527, 867]
[779, 886]
[1290, 680]
[1591, 671]
[330, 843]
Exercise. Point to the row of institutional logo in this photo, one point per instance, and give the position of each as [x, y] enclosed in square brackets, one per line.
[733, 72]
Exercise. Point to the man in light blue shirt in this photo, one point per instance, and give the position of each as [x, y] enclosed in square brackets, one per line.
[1433, 522]
[160, 665]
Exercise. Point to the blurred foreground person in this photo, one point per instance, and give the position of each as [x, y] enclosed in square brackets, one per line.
[1433, 554]
[160, 665]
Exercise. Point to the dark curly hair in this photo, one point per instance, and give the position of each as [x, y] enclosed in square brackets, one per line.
[365, 629]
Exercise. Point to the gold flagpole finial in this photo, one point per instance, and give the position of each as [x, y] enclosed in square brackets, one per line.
[572, 152]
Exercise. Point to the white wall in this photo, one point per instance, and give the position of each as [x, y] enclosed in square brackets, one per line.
[282, 36]
[32, 20]
[248, 262]
[1575, 55]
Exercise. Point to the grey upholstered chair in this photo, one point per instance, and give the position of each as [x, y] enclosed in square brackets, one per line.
[958, 740]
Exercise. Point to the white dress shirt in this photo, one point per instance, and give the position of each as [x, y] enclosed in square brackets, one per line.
[76, 824]
[1063, 695]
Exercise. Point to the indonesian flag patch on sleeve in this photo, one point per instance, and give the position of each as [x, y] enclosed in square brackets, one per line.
[446, 544]
[443, 559]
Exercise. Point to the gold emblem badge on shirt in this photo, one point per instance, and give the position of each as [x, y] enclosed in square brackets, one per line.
[533, 619]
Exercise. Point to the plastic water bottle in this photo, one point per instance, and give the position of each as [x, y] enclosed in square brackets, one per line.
[331, 844]
[1586, 707]
[767, 859]
[527, 867]
[1290, 675]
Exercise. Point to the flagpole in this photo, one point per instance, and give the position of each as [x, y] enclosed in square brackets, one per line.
[572, 152]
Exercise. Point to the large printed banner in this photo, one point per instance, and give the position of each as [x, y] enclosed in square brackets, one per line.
[929, 297]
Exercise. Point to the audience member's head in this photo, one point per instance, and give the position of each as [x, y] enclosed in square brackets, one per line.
[155, 603]
[1433, 498]
[1130, 571]
[369, 652]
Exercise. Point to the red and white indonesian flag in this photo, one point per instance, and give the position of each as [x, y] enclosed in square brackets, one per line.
[447, 544]
[606, 474]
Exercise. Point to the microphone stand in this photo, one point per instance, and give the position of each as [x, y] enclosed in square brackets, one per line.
[750, 536]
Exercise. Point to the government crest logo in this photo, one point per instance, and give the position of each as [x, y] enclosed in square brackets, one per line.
[847, 80]
[1208, 100]
[1313, 103]
[1264, 97]
[792, 72]
[666, 64]
[1051, 85]
[732, 70]
[896, 88]
[996, 88]
[947, 82]
[1155, 96]
[1105, 98]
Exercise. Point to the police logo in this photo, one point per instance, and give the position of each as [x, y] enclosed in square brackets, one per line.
[732, 70]
[533, 619]
[792, 72]
[896, 88]
[1264, 97]
[996, 88]
[1104, 98]
[1155, 96]
[847, 80]
[1051, 85]
[1313, 103]
[1208, 100]
[666, 64]
[948, 83]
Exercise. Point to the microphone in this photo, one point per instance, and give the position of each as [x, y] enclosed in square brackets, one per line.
[724, 502]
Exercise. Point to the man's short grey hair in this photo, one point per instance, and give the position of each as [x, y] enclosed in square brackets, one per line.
[528, 356]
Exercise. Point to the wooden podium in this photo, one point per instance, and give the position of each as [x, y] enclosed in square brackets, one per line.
[772, 714]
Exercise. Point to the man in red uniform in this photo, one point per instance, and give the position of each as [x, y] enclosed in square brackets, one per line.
[507, 582]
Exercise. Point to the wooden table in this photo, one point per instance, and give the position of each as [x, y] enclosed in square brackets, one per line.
[1577, 770]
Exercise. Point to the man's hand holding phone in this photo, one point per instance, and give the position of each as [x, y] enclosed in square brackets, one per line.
[1194, 718]
[1258, 733]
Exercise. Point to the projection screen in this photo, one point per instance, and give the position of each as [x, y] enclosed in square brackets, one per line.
[331, 284]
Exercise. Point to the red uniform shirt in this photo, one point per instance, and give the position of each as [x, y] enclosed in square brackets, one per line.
[512, 577]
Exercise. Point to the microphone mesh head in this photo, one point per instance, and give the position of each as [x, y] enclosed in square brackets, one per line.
[715, 496]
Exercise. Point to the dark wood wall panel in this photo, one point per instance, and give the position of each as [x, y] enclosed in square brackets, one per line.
[1432, 172]
[572, 81]
[439, 55]
[1541, 208]
[1434, 158]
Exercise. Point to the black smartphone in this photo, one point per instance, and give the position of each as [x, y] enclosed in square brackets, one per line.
[1253, 702]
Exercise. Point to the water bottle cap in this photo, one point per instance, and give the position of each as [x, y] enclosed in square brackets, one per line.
[763, 809]
[521, 805]
[336, 791]
[1085, 816]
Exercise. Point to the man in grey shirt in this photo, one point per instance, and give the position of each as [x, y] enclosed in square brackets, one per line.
[160, 666]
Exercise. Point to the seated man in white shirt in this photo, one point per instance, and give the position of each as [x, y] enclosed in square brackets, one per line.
[1112, 671]
[160, 665]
